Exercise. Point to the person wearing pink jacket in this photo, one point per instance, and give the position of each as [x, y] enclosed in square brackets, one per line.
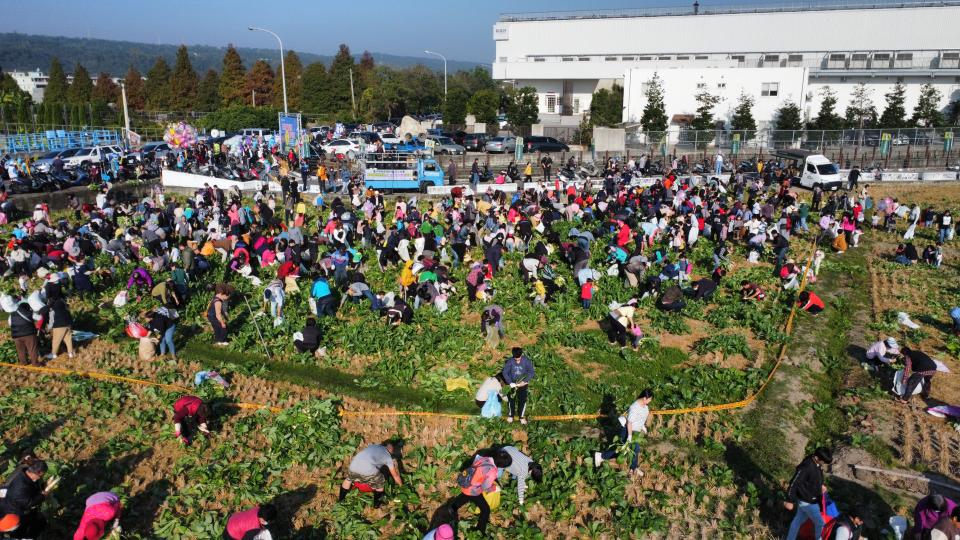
[101, 509]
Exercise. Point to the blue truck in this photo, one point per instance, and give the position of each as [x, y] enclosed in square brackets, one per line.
[401, 172]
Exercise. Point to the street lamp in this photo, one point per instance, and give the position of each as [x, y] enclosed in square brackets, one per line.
[444, 71]
[283, 71]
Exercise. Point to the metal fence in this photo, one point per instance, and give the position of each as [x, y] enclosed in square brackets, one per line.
[891, 148]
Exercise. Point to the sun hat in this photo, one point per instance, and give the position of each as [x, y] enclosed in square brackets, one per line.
[891, 342]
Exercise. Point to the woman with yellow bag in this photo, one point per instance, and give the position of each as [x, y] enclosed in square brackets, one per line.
[479, 481]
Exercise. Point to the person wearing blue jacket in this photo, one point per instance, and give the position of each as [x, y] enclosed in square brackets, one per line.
[518, 373]
[322, 296]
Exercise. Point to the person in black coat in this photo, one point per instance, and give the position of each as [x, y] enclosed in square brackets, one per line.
[311, 337]
[806, 491]
[25, 492]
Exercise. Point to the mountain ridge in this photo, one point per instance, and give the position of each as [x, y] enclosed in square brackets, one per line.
[24, 52]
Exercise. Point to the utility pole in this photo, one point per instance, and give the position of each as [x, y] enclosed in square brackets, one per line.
[353, 98]
[254, 98]
[126, 115]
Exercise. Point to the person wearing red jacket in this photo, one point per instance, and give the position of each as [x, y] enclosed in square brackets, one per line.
[250, 524]
[189, 408]
[810, 302]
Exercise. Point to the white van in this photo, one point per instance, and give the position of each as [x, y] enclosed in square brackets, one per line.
[814, 169]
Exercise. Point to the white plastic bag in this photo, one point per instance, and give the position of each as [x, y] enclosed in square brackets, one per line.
[120, 299]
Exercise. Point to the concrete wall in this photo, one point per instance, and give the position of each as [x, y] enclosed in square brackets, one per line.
[609, 139]
[681, 86]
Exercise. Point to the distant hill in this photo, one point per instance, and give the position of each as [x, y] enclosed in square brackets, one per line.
[25, 52]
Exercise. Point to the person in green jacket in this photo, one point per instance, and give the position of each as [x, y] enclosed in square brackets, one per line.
[804, 211]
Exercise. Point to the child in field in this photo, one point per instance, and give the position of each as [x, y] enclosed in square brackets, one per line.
[586, 293]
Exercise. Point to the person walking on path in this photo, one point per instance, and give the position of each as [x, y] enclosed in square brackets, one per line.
[518, 372]
[634, 421]
[367, 468]
[61, 332]
[806, 491]
[853, 178]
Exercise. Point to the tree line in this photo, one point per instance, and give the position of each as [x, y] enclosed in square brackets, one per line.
[861, 112]
[347, 89]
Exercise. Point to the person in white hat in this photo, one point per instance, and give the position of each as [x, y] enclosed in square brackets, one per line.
[885, 350]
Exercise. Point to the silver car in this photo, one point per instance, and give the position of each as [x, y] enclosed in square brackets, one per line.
[446, 145]
[499, 145]
[44, 162]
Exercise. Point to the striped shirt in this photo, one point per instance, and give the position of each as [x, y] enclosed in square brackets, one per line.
[519, 469]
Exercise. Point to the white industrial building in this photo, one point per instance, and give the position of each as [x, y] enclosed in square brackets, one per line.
[772, 53]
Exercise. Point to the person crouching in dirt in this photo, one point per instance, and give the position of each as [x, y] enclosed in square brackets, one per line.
[20, 507]
[928, 512]
[192, 409]
[101, 509]
[919, 370]
[806, 491]
[480, 477]
[810, 302]
[366, 470]
[492, 386]
[251, 524]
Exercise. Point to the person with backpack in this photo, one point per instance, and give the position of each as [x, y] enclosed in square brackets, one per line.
[367, 466]
[479, 478]
[518, 372]
[806, 492]
[633, 421]
[846, 526]
[250, 524]
[192, 409]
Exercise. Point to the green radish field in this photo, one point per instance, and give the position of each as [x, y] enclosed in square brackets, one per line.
[708, 475]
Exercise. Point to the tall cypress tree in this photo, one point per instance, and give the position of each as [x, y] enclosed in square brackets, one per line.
[136, 91]
[183, 82]
[81, 88]
[339, 82]
[232, 79]
[742, 119]
[314, 88]
[158, 86]
[895, 114]
[208, 93]
[654, 118]
[260, 80]
[294, 70]
[56, 91]
[105, 90]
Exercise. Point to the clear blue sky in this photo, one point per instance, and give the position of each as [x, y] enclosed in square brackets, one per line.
[460, 29]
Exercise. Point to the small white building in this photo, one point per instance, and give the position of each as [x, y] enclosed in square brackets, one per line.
[772, 53]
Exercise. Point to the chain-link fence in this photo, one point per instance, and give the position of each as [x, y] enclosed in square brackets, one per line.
[889, 148]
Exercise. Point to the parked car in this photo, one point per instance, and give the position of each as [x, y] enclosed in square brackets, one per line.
[367, 137]
[91, 155]
[150, 151]
[475, 142]
[544, 144]
[390, 139]
[499, 145]
[43, 162]
[342, 146]
[445, 145]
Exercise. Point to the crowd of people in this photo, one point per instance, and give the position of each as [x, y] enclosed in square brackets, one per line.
[646, 234]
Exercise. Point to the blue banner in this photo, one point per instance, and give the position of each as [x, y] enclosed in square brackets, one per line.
[289, 131]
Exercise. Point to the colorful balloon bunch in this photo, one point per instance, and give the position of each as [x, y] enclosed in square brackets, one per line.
[180, 135]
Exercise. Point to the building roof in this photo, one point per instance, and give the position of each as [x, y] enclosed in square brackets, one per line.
[723, 9]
